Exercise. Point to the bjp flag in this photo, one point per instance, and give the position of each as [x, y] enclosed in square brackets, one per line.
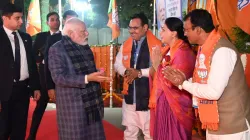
[34, 19]
[243, 11]
[113, 22]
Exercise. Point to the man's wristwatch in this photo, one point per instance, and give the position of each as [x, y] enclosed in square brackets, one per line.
[139, 74]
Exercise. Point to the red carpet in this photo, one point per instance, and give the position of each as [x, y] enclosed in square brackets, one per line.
[48, 126]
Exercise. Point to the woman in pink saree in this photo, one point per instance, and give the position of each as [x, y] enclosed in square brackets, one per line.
[174, 115]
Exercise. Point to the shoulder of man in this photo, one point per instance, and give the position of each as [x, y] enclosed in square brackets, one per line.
[25, 35]
[1, 29]
[57, 44]
[40, 35]
[54, 38]
[43, 34]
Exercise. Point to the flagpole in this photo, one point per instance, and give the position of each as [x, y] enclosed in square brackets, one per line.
[115, 29]
[154, 22]
[111, 75]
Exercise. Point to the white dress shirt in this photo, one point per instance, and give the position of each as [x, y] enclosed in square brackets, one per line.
[24, 72]
[51, 32]
[222, 66]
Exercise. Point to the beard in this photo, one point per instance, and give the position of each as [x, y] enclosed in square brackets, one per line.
[84, 42]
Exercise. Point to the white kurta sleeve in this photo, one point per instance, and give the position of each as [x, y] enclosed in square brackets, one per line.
[145, 72]
[119, 67]
[222, 66]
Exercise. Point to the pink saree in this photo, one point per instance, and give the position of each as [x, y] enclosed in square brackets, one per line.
[174, 115]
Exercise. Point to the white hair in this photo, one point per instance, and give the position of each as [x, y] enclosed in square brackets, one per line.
[71, 24]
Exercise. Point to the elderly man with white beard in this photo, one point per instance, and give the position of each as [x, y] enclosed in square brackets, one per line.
[78, 92]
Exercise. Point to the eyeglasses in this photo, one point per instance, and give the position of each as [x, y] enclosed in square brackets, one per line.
[133, 28]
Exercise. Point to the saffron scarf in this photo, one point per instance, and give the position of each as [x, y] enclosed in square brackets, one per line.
[207, 109]
[127, 48]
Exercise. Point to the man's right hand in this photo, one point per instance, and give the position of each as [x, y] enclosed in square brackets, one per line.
[52, 95]
[98, 77]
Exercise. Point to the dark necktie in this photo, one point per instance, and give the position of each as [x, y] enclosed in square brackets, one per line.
[135, 50]
[136, 45]
[17, 63]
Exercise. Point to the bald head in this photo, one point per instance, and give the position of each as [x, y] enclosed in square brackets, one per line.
[76, 30]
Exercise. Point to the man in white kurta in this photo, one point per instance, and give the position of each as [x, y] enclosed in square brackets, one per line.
[135, 112]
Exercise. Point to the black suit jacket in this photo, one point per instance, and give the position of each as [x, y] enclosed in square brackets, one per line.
[51, 41]
[7, 65]
[39, 45]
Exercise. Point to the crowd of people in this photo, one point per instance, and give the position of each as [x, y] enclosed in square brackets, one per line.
[166, 85]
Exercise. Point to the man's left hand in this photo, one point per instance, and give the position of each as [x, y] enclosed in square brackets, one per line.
[133, 73]
[37, 95]
[175, 76]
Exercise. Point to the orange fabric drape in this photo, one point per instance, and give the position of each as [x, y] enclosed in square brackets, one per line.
[226, 13]
[191, 5]
[242, 16]
[210, 7]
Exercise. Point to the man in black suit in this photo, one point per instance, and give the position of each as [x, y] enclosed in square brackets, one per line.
[52, 40]
[38, 48]
[18, 74]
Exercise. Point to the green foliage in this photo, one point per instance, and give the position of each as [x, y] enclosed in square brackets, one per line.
[126, 8]
[184, 13]
[44, 9]
[240, 40]
[26, 7]
[100, 9]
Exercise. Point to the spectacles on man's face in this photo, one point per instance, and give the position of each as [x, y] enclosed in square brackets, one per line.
[133, 28]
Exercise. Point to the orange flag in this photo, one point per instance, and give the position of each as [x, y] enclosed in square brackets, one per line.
[242, 16]
[34, 19]
[210, 7]
[226, 12]
[191, 5]
[113, 22]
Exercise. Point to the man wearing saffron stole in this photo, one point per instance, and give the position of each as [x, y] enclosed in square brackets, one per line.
[220, 87]
[133, 62]
[174, 114]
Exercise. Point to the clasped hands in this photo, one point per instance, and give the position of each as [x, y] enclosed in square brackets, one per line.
[130, 74]
[175, 76]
